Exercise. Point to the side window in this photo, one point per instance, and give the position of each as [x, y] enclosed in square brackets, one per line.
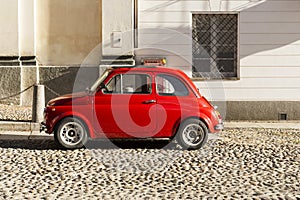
[170, 86]
[114, 85]
[130, 84]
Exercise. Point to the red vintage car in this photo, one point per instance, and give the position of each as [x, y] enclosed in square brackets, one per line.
[134, 103]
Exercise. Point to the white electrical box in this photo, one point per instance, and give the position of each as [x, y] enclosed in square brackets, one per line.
[116, 39]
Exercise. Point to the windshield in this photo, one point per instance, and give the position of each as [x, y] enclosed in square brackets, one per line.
[100, 80]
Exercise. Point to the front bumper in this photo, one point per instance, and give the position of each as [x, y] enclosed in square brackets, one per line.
[219, 127]
[43, 127]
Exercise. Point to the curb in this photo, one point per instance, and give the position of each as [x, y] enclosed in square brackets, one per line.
[263, 124]
[31, 130]
[25, 135]
[22, 131]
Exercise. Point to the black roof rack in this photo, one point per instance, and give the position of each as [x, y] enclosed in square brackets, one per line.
[135, 66]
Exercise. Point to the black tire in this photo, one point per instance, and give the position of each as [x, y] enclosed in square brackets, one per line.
[71, 133]
[192, 134]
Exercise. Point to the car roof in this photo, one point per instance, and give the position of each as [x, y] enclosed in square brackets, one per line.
[149, 69]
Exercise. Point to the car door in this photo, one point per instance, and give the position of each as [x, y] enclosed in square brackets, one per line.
[175, 101]
[126, 108]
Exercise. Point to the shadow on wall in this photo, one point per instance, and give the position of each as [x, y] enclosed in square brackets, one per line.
[61, 80]
[10, 84]
[265, 25]
[268, 31]
[268, 26]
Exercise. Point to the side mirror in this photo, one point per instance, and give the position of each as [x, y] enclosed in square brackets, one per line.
[103, 88]
[102, 85]
[88, 90]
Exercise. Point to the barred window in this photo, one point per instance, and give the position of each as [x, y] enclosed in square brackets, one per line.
[215, 40]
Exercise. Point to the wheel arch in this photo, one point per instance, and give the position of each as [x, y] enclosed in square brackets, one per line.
[205, 120]
[82, 119]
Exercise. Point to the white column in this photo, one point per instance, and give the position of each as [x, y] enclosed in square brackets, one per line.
[9, 28]
[117, 27]
[26, 30]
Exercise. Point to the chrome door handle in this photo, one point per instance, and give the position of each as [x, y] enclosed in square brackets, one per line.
[149, 101]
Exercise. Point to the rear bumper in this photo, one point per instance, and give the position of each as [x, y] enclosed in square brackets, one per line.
[219, 127]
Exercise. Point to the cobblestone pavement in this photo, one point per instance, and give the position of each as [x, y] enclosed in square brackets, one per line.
[244, 164]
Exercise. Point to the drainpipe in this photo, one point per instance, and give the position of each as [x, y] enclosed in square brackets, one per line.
[135, 23]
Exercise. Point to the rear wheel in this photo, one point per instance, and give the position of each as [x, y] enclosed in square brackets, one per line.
[71, 133]
[192, 134]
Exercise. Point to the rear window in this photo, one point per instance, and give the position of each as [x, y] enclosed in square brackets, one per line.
[167, 85]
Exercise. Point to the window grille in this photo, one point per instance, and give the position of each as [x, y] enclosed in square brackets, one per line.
[215, 40]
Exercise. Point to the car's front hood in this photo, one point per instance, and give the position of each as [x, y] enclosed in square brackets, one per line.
[69, 99]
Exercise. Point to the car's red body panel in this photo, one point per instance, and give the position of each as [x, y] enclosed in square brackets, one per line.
[110, 115]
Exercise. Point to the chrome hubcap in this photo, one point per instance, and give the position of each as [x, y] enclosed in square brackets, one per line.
[71, 133]
[193, 134]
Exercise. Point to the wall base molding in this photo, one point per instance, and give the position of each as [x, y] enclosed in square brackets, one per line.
[259, 110]
[17, 60]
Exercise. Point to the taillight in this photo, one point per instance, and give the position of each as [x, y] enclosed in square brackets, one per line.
[218, 116]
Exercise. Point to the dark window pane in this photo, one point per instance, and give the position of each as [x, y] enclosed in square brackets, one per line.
[225, 65]
[225, 37]
[225, 54]
[201, 51]
[114, 85]
[130, 84]
[201, 65]
[136, 83]
[205, 38]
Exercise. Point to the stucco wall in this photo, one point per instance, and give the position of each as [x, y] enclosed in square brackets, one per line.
[67, 30]
[269, 52]
[9, 28]
[117, 23]
[10, 84]
[269, 41]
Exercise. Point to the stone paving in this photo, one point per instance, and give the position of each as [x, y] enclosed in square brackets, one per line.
[244, 164]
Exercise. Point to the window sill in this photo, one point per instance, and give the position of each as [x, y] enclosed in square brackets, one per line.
[216, 79]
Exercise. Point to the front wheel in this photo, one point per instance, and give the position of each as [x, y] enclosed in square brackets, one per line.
[192, 134]
[71, 133]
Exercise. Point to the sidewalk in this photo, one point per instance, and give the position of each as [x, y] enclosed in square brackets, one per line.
[22, 131]
[31, 131]
[263, 124]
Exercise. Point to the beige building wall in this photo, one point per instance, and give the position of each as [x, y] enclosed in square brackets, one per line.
[9, 28]
[67, 31]
[57, 35]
